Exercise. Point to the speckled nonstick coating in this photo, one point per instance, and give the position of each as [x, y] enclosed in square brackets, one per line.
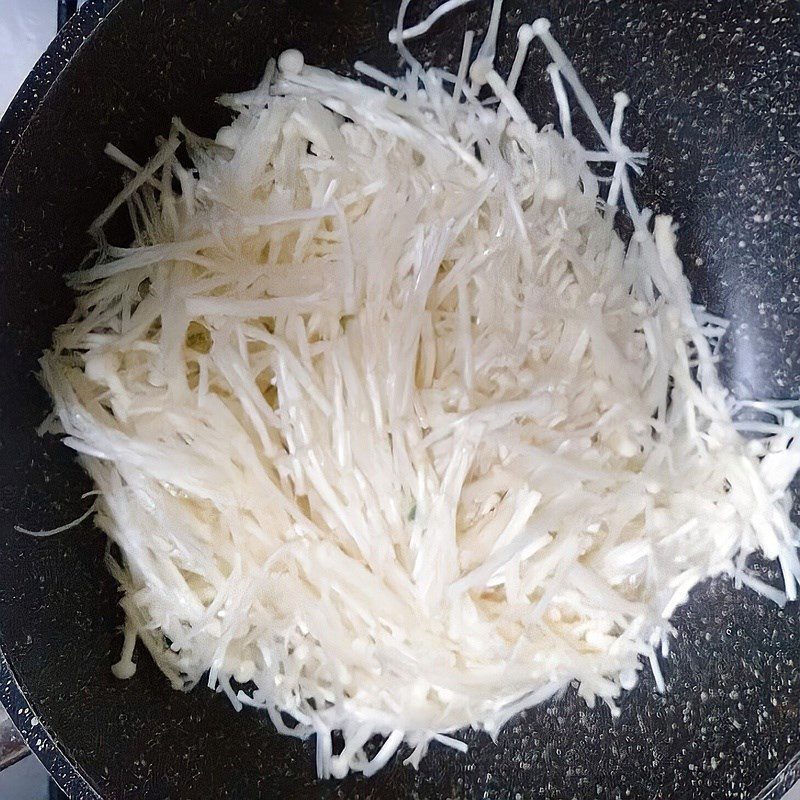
[715, 99]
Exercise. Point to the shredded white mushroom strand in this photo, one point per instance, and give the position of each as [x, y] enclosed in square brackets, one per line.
[393, 432]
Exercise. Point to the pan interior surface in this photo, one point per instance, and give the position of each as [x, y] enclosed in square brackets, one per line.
[712, 101]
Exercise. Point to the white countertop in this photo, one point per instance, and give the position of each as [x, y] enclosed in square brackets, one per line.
[26, 28]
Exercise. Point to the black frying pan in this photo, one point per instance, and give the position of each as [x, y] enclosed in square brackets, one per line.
[715, 100]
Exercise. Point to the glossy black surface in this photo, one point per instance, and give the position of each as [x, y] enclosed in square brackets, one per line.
[716, 103]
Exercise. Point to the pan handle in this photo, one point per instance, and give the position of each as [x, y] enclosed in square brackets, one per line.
[12, 747]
